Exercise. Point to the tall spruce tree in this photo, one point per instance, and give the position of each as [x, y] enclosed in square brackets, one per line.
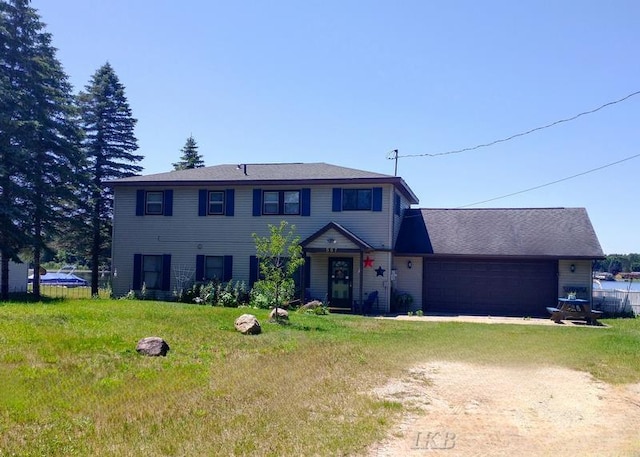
[109, 144]
[13, 235]
[190, 157]
[40, 135]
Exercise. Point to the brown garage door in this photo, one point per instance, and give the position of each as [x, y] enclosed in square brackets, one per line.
[498, 288]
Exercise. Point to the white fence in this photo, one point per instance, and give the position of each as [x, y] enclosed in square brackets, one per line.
[617, 301]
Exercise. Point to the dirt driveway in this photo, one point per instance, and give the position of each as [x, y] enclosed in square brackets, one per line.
[459, 409]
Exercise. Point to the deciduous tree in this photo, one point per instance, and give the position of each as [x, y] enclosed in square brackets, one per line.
[279, 258]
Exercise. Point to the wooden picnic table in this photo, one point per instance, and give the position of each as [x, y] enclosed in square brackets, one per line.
[574, 309]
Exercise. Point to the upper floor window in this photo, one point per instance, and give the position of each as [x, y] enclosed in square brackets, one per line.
[154, 202]
[216, 202]
[271, 203]
[367, 199]
[291, 202]
[356, 199]
[281, 202]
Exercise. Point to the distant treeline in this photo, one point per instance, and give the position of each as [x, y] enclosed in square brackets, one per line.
[618, 263]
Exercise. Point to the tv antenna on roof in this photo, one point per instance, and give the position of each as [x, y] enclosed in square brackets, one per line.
[393, 155]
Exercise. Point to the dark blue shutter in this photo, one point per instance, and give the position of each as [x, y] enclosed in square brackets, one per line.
[305, 198]
[166, 271]
[257, 202]
[168, 202]
[337, 199]
[253, 270]
[199, 268]
[228, 268]
[140, 202]
[229, 202]
[396, 204]
[202, 202]
[137, 271]
[307, 272]
[377, 199]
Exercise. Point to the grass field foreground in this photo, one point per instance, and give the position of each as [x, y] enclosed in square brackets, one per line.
[71, 382]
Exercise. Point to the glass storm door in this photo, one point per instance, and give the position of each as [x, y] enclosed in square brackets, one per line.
[340, 283]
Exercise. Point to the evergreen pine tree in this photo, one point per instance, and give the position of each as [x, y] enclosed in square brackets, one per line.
[41, 154]
[190, 157]
[110, 144]
[13, 235]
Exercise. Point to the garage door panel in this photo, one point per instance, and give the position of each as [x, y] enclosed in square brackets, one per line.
[489, 288]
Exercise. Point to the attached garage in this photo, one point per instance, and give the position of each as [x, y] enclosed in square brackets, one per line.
[500, 262]
[497, 287]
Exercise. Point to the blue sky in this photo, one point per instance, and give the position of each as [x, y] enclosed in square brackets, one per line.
[345, 82]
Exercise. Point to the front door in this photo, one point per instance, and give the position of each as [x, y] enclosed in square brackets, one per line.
[340, 283]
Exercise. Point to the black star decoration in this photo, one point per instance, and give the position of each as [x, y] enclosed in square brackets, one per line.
[380, 271]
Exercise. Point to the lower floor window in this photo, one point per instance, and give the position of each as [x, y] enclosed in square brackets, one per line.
[152, 271]
[214, 267]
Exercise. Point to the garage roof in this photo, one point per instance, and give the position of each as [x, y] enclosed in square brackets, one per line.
[512, 232]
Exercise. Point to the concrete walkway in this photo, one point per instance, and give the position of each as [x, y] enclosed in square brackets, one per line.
[492, 320]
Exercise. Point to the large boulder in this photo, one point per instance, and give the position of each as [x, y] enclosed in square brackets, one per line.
[248, 324]
[313, 304]
[153, 346]
[282, 314]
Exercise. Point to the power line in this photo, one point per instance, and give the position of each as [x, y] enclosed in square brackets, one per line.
[492, 143]
[553, 182]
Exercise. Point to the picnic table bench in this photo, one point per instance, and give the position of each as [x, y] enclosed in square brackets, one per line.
[574, 309]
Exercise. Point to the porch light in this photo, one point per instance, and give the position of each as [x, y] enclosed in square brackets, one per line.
[409, 264]
[331, 241]
[572, 268]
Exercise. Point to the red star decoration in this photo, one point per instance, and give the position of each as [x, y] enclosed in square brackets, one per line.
[368, 262]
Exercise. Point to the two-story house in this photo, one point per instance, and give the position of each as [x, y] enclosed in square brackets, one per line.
[359, 234]
[202, 220]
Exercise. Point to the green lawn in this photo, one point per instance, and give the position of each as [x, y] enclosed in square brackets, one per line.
[71, 382]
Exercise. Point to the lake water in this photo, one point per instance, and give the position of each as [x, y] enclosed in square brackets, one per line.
[620, 285]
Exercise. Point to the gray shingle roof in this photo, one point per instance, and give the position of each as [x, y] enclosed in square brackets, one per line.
[520, 232]
[267, 173]
[256, 172]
